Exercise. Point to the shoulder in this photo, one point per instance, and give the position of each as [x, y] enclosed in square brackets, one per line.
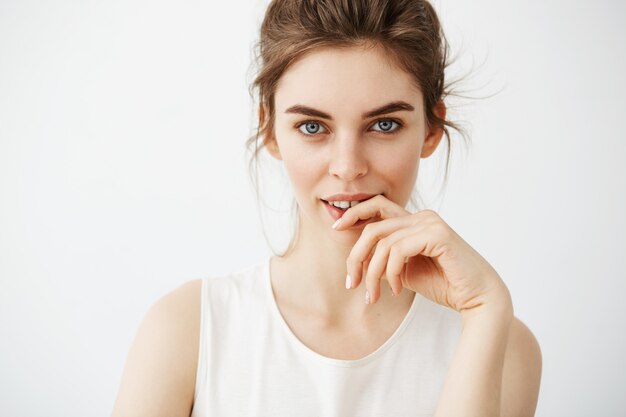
[523, 345]
[174, 321]
[160, 370]
[521, 375]
[184, 299]
[177, 313]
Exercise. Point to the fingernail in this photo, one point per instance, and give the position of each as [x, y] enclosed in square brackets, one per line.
[348, 282]
[367, 297]
[336, 223]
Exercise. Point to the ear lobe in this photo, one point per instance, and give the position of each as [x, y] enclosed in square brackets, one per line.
[431, 142]
[272, 148]
[434, 135]
[270, 144]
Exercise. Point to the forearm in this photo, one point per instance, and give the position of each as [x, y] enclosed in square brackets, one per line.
[473, 384]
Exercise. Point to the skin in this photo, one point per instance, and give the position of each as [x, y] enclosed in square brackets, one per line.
[496, 367]
[346, 155]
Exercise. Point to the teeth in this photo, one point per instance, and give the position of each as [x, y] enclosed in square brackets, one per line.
[344, 204]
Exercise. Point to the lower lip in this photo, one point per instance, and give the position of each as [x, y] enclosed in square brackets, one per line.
[336, 213]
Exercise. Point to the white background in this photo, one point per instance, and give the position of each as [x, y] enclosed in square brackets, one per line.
[123, 175]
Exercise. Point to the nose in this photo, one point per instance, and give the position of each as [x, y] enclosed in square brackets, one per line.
[347, 159]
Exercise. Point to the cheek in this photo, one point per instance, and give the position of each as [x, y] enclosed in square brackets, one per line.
[302, 169]
[400, 168]
[301, 162]
[401, 176]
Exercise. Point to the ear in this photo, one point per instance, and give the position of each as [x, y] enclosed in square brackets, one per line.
[434, 135]
[272, 147]
[270, 143]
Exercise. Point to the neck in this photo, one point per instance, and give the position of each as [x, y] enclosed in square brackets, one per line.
[311, 277]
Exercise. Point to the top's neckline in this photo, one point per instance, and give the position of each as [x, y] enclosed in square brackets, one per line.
[315, 356]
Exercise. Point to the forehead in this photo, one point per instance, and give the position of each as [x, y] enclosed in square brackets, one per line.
[345, 80]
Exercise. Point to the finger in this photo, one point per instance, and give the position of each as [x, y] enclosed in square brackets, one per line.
[378, 265]
[423, 243]
[377, 206]
[396, 264]
[366, 264]
[366, 243]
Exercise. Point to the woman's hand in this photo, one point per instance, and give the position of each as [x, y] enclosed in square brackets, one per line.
[421, 252]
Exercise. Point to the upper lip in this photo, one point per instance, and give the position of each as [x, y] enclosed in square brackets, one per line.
[349, 197]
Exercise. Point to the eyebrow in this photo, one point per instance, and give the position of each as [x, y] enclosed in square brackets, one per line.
[387, 108]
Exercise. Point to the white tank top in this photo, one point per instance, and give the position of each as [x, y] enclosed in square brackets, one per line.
[250, 363]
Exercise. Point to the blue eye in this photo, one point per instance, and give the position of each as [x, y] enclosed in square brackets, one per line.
[313, 127]
[388, 123]
[307, 125]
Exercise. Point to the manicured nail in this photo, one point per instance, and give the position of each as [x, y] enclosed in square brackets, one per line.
[348, 282]
[367, 297]
[336, 223]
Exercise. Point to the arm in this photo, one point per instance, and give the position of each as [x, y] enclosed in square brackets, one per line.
[159, 375]
[522, 373]
[495, 371]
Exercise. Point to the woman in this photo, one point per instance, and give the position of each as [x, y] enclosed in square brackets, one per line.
[351, 97]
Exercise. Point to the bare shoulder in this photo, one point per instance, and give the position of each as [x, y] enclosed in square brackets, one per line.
[160, 370]
[521, 375]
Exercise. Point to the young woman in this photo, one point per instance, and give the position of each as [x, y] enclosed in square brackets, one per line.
[351, 97]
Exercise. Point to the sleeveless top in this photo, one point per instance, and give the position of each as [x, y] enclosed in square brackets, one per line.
[250, 363]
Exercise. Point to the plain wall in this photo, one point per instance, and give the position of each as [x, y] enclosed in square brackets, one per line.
[123, 175]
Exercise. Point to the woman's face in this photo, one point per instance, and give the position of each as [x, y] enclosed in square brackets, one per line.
[347, 151]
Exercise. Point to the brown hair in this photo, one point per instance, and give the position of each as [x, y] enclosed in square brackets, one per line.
[408, 30]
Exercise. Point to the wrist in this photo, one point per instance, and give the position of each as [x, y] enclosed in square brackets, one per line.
[495, 310]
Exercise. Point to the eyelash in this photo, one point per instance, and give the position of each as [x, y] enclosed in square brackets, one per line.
[400, 126]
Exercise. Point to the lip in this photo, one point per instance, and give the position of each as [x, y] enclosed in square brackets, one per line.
[349, 197]
[336, 213]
